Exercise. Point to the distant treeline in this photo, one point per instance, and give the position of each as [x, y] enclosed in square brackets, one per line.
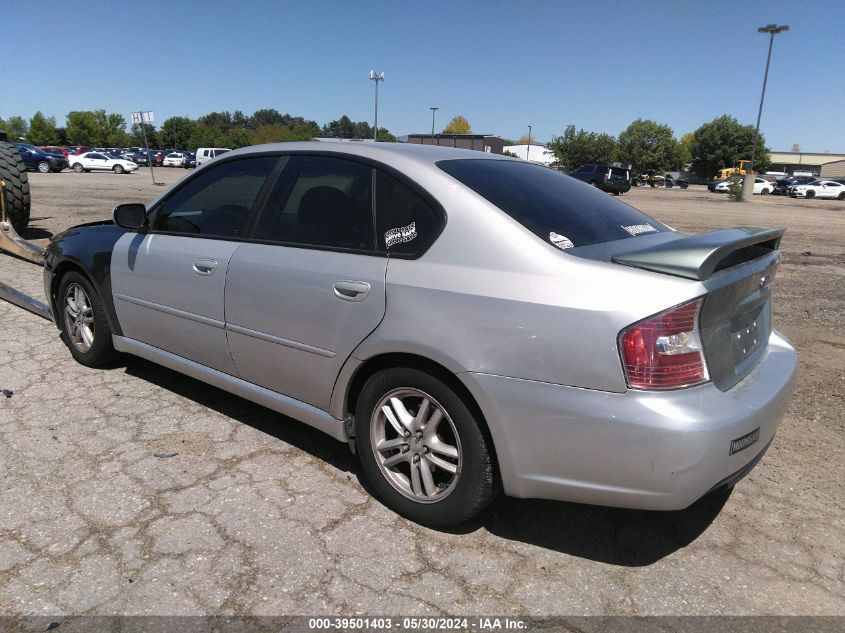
[98, 128]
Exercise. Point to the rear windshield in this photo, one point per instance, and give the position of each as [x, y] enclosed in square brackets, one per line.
[617, 173]
[560, 209]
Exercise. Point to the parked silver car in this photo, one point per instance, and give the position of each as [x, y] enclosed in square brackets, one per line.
[467, 322]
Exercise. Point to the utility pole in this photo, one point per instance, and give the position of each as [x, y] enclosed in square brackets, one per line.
[433, 110]
[748, 182]
[376, 77]
[528, 148]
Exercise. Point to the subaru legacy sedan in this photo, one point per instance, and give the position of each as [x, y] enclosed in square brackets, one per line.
[467, 323]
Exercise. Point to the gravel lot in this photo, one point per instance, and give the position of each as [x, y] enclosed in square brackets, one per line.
[256, 514]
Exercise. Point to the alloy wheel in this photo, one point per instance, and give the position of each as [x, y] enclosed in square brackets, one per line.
[79, 318]
[416, 445]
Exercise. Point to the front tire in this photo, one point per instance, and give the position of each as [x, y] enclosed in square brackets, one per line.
[765, 192]
[82, 319]
[43, 167]
[422, 449]
[77, 167]
[118, 169]
[810, 194]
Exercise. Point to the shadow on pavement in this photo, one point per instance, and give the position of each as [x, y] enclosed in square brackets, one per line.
[629, 538]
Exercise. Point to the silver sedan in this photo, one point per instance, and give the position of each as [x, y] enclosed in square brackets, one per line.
[468, 323]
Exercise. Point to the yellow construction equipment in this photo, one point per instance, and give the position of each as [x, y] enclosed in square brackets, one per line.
[741, 167]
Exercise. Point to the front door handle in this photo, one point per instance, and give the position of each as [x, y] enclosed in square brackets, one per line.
[205, 267]
[351, 290]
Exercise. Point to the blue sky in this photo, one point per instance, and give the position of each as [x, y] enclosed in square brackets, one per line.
[503, 65]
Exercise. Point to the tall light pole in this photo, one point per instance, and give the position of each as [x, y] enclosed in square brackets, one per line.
[433, 110]
[376, 77]
[528, 148]
[748, 183]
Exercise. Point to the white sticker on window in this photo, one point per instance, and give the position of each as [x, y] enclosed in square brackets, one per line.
[401, 234]
[637, 229]
[561, 241]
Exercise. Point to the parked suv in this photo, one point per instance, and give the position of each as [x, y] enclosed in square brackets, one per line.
[614, 180]
[36, 158]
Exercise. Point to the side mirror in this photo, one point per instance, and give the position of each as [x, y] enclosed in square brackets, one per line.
[130, 216]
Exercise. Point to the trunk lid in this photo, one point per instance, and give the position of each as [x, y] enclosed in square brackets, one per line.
[737, 266]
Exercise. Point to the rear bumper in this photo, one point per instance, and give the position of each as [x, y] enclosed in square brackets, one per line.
[613, 187]
[646, 450]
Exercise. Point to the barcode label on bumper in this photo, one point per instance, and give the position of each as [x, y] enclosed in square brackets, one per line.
[741, 443]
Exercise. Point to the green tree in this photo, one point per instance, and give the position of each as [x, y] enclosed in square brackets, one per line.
[42, 130]
[176, 132]
[683, 151]
[576, 148]
[17, 128]
[722, 142]
[647, 146]
[385, 136]
[341, 128]
[114, 130]
[136, 135]
[220, 120]
[206, 136]
[458, 125]
[83, 128]
[237, 137]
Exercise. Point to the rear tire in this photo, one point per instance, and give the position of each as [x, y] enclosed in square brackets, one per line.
[13, 173]
[765, 192]
[82, 320]
[841, 196]
[77, 167]
[436, 469]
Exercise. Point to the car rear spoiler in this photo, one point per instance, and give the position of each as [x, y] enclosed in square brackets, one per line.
[699, 256]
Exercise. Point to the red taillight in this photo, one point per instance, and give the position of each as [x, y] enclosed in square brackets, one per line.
[664, 351]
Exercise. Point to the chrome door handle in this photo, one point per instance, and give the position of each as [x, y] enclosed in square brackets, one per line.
[205, 266]
[351, 290]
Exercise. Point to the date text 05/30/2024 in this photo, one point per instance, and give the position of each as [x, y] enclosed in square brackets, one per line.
[415, 624]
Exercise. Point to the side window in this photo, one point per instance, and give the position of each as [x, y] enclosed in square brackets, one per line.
[320, 201]
[406, 222]
[219, 202]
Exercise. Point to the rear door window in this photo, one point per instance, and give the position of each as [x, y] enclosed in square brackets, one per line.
[557, 208]
[407, 223]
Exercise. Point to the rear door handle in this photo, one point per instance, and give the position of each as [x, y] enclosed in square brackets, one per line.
[205, 267]
[351, 290]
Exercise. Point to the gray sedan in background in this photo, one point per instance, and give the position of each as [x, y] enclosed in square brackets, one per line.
[468, 323]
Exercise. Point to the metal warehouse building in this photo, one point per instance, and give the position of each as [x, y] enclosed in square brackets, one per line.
[836, 169]
[790, 162]
[480, 142]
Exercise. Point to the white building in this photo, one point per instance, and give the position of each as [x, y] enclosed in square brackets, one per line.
[534, 153]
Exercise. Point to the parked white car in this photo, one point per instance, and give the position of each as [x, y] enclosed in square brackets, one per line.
[819, 189]
[97, 161]
[173, 159]
[761, 186]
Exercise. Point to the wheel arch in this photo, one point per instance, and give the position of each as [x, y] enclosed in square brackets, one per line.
[351, 387]
[66, 265]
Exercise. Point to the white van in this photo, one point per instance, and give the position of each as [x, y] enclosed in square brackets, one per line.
[207, 153]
